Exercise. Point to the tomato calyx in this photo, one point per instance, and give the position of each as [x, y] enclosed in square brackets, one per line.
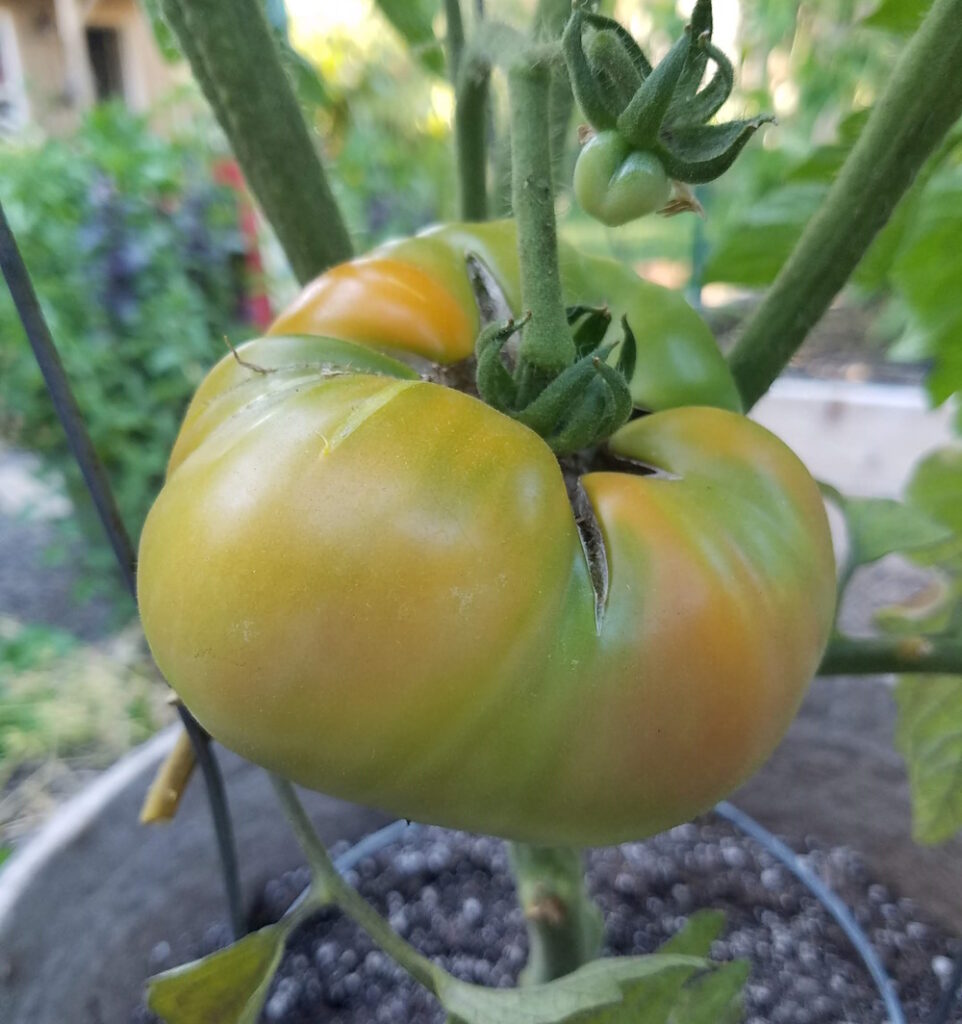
[658, 111]
[583, 403]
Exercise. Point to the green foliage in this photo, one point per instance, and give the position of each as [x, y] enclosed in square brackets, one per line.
[936, 489]
[674, 986]
[387, 132]
[133, 251]
[929, 736]
[657, 989]
[927, 276]
[912, 261]
[880, 526]
[30, 647]
[695, 939]
[414, 20]
[227, 987]
[900, 16]
[929, 731]
[60, 698]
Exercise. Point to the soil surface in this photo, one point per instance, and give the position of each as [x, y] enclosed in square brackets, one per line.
[451, 895]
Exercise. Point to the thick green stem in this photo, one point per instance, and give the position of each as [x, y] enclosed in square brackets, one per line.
[549, 20]
[921, 102]
[564, 926]
[454, 37]
[470, 75]
[329, 887]
[471, 137]
[234, 58]
[547, 346]
[851, 656]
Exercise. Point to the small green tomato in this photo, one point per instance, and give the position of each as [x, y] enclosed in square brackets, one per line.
[615, 184]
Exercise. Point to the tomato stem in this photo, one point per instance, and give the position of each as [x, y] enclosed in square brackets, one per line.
[547, 346]
[329, 887]
[866, 656]
[921, 102]
[470, 72]
[228, 43]
[564, 925]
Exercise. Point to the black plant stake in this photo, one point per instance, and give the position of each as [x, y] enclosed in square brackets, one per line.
[78, 438]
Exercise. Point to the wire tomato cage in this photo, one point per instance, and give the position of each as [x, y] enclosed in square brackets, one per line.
[95, 477]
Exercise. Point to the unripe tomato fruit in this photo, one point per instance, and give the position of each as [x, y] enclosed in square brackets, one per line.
[616, 184]
[375, 584]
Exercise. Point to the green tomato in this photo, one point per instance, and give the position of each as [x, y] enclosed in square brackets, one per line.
[616, 184]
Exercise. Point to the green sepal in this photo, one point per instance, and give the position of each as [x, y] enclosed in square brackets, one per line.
[589, 325]
[701, 153]
[641, 120]
[701, 26]
[620, 395]
[495, 384]
[628, 355]
[634, 51]
[547, 411]
[699, 107]
[583, 84]
[584, 427]
[613, 69]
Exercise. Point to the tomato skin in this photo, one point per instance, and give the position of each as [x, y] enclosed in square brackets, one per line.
[426, 320]
[616, 184]
[375, 586]
[678, 363]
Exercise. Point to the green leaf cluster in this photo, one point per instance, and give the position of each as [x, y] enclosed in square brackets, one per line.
[135, 256]
[677, 985]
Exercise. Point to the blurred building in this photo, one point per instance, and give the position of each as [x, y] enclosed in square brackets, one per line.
[59, 57]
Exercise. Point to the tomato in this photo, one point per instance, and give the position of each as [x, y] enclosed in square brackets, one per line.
[616, 184]
[376, 585]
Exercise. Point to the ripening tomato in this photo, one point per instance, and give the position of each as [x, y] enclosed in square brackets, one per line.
[378, 586]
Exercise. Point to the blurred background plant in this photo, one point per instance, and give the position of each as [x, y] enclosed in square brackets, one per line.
[134, 252]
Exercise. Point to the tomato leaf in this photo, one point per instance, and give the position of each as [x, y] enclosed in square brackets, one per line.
[928, 279]
[414, 20]
[929, 736]
[901, 16]
[881, 526]
[755, 245]
[657, 989]
[715, 997]
[227, 987]
[936, 488]
[695, 939]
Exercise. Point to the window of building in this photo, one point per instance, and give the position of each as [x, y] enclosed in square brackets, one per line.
[103, 48]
